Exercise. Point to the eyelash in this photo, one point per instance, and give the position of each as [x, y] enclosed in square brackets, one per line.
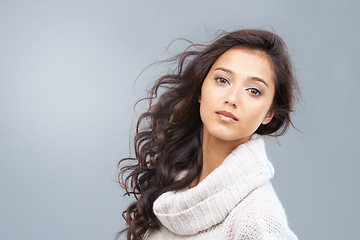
[258, 92]
[219, 79]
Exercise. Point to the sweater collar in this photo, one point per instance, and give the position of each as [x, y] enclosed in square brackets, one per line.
[190, 211]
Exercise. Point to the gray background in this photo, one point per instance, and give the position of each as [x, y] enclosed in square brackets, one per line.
[67, 71]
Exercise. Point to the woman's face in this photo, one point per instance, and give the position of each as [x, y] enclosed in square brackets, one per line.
[236, 95]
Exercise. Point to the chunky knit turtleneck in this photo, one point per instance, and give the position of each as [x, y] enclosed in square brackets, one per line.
[235, 201]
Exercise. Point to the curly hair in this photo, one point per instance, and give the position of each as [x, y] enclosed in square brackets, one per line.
[168, 135]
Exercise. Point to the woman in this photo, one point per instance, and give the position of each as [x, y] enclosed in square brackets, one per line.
[201, 170]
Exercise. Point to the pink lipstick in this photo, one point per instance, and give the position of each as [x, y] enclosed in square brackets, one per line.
[226, 116]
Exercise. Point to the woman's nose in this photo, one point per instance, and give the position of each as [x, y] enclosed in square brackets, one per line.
[231, 103]
[231, 97]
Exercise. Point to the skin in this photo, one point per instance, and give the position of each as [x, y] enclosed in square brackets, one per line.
[236, 97]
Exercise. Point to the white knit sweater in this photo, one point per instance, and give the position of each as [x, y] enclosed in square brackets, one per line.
[236, 201]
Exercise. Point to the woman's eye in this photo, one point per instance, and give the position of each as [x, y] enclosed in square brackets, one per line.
[254, 91]
[222, 80]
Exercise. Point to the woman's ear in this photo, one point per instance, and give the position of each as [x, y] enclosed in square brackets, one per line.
[268, 117]
[199, 99]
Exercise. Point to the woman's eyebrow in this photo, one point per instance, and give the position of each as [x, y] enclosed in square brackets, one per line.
[250, 78]
[225, 70]
[258, 79]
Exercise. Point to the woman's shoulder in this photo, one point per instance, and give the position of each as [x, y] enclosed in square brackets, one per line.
[260, 215]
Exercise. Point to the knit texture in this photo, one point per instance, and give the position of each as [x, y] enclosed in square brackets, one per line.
[235, 201]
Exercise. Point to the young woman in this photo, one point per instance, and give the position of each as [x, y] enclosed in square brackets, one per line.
[200, 169]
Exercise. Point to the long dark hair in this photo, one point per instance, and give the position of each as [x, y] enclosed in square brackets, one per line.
[168, 134]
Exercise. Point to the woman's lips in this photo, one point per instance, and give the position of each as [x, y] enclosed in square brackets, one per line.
[226, 116]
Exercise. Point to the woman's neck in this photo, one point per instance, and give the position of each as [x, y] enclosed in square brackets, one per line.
[214, 152]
